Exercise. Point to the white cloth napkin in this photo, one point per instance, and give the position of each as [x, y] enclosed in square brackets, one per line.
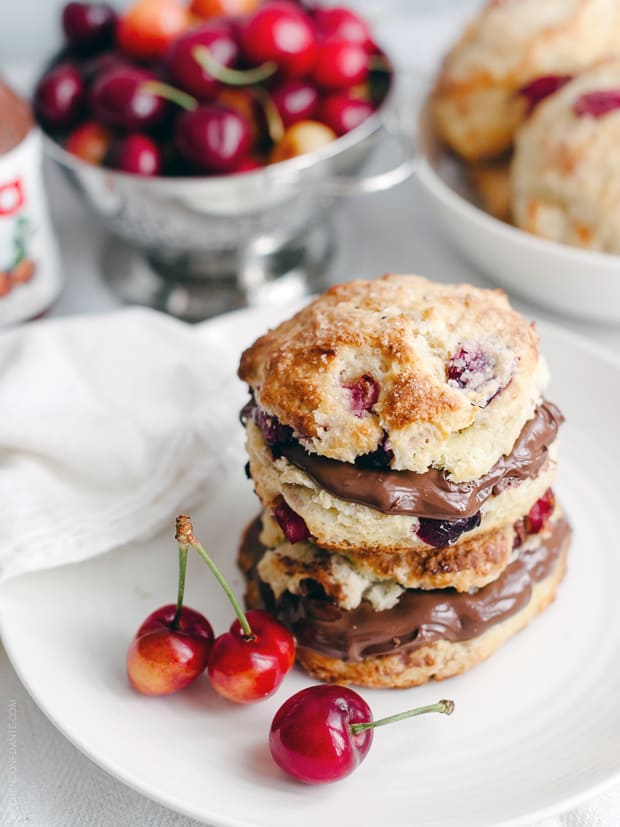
[109, 426]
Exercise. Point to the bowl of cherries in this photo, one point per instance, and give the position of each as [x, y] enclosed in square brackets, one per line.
[211, 137]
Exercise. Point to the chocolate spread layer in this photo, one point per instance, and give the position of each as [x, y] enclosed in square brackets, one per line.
[431, 494]
[16, 118]
[420, 617]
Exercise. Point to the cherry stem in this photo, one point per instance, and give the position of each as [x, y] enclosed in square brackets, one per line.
[275, 124]
[171, 93]
[185, 535]
[181, 589]
[232, 77]
[447, 707]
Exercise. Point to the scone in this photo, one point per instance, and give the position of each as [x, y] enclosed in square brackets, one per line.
[400, 445]
[565, 176]
[509, 51]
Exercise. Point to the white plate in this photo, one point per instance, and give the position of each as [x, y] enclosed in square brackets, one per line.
[535, 728]
[563, 278]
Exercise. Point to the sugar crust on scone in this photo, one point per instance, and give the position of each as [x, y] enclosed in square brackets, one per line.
[402, 331]
[507, 45]
[566, 167]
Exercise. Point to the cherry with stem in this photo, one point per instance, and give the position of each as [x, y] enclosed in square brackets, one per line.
[322, 733]
[249, 662]
[171, 647]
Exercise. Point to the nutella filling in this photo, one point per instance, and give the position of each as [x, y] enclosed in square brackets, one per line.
[432, 494]
[420, 617]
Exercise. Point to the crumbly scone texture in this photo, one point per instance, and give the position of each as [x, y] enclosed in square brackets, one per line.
[351, 528]
[402, 334]
[379, 576]
[566, 167]
[507, 45]
[435, 661]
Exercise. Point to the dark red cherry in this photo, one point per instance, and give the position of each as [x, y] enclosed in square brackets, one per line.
[292, 524]
[540, 88]
[295, 100]
[597, 104]
[187, 72]
[343, 112]
[283, 33]
[59, 96]
[100, 64]
[470, 367]
[540, 513]
[344, 23]
[119, 99]
[364, 394]
[270, 426]
[439, 533]
[340, 64]
[89, 26]
[137, 154]
[213, 138]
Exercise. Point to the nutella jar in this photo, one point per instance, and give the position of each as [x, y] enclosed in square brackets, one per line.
[29, 264]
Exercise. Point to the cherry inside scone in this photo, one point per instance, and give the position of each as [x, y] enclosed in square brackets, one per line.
[509, 58]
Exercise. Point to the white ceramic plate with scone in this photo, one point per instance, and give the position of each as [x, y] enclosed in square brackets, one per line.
[562, 278]
[535, 727]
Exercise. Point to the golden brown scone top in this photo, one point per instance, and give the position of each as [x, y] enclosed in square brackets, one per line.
[442, 375]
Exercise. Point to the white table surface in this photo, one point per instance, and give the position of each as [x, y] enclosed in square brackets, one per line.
[54, 785]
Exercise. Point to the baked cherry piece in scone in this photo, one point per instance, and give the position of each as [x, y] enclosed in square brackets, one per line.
[565, 172]
[510, 57]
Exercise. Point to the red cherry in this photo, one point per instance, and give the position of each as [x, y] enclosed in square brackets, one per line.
[149, 26]
[310, 736]
[344, 23]
[90, 142]
[323, 733]
[540, 88]
[340, 64]
[283, 33]
[89, 26]
[295, 100]
[164, 657]
[343, 112]
[364, 394]
[597, 104]
[137, 154]
[244, 668]
[187, 72]
[59, 96]
[118, 99]
[292, 524]
[540, 512]
[213, 138]
[100, 64]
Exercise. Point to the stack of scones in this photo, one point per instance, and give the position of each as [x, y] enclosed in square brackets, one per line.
[404, 455]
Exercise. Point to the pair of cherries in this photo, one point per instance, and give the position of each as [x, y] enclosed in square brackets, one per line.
[318, 735]
[175, 644]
